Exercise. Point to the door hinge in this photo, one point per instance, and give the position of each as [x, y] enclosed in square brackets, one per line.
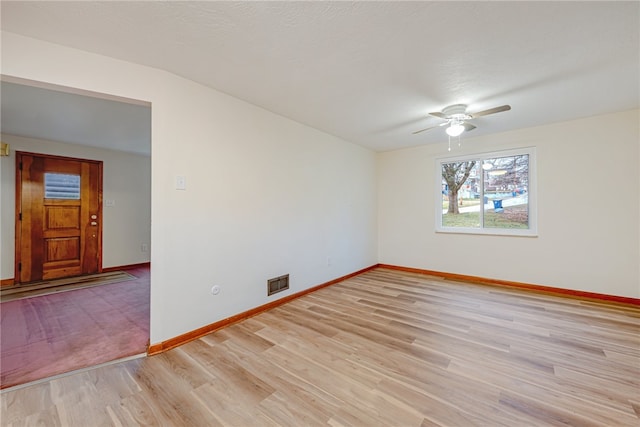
[20, 216]
[20, 165]
[19, 266]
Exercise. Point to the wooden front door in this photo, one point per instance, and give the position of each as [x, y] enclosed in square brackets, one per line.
[58, 217]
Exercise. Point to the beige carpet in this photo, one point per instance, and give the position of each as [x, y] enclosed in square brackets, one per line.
[47, 287]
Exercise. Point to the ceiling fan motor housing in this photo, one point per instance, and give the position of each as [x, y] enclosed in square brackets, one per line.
[456, 112]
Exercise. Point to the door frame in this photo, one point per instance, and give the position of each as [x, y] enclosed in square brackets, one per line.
[18, 208]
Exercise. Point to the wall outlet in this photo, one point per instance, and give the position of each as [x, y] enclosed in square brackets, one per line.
[181, 182]
[109, 203]
[144, 247]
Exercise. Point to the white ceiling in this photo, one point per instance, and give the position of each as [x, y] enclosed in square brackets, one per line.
[60, 115]
[369, 72]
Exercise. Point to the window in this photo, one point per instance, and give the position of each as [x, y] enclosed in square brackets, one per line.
[490, 193]
[61, 186]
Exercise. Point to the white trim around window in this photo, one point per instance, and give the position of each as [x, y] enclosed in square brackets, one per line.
[497, 199]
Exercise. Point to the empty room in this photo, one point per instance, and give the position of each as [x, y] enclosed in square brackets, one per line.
[336, 213]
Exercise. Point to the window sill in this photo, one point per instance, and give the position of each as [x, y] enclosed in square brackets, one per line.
[488, 232]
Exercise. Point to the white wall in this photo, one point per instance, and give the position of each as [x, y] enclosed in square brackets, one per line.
[126, 180]
[265, 195]
[588, 210]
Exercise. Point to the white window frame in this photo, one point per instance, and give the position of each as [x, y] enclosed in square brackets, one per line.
[532, 191]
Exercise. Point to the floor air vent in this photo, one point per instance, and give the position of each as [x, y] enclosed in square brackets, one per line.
[277, 284]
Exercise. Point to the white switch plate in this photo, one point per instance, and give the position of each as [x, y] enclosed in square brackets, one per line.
[181, 182]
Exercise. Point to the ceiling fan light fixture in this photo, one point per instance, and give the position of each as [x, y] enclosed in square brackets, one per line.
[455, 129]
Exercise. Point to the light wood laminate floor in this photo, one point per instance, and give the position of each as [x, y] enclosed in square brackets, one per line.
[384, 348]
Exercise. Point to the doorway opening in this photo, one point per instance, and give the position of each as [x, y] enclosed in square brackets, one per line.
[73, 143]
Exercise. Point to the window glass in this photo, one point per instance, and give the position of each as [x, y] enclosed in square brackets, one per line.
[460, 194]
[506, 180]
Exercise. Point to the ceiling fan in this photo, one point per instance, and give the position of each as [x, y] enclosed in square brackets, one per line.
[456, 117]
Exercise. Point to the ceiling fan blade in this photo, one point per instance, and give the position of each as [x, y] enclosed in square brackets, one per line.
[468, 126]
[491, 111]
[422, 130]
[438, 114]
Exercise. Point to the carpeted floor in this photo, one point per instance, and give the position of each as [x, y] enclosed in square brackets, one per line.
[52, 334]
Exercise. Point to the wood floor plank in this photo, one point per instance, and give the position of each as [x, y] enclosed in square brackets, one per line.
[385, 348]
[168, 395]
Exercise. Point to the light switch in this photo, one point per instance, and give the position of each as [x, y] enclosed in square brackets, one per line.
[109, 203]
[181, 182]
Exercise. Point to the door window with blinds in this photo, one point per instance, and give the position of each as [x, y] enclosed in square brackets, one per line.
[61, 186]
